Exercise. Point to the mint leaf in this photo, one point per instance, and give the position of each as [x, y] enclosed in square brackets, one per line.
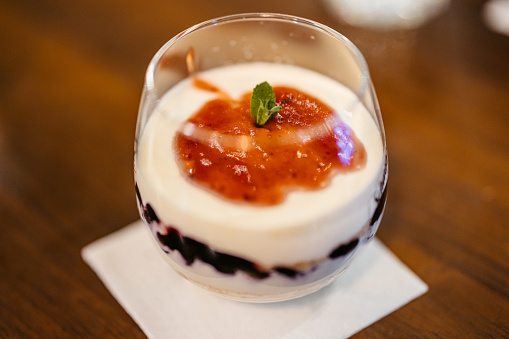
[263, 103]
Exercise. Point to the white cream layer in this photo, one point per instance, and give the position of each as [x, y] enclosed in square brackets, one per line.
[308, 225]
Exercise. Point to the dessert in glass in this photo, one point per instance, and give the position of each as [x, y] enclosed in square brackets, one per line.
[260, 156]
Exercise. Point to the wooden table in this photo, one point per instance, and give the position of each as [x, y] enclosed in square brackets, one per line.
[71, 74]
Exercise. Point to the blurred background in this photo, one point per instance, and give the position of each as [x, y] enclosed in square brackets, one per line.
[71, 75]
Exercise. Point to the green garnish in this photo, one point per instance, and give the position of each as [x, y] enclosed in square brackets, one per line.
[263, 103]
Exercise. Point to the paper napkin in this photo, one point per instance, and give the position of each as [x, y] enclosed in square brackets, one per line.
[165, 305]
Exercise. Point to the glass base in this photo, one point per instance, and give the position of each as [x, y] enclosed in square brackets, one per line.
[276, 288]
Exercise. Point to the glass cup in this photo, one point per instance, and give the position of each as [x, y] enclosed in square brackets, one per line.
[235, 245]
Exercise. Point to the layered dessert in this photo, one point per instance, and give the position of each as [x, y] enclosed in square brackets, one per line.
[256, 212]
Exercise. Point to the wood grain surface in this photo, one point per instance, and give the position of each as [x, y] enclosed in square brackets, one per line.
[71, 75]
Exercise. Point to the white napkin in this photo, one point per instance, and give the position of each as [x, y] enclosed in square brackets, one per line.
[166, 305]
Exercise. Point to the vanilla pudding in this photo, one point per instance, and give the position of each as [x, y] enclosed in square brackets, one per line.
[248, 251]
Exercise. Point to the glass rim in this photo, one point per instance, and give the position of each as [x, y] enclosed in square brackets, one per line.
[363, 67]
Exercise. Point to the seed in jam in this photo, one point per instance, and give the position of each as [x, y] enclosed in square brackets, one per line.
[221, 149]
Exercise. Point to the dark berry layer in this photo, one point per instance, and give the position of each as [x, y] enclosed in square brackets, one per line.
[192, 250]
[375, 218]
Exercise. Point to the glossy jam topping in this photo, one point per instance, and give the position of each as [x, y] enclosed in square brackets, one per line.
[221, 149]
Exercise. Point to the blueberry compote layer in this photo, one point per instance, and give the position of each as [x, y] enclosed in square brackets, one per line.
[192, 250]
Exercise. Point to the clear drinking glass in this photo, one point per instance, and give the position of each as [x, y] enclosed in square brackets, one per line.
[260, 252]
